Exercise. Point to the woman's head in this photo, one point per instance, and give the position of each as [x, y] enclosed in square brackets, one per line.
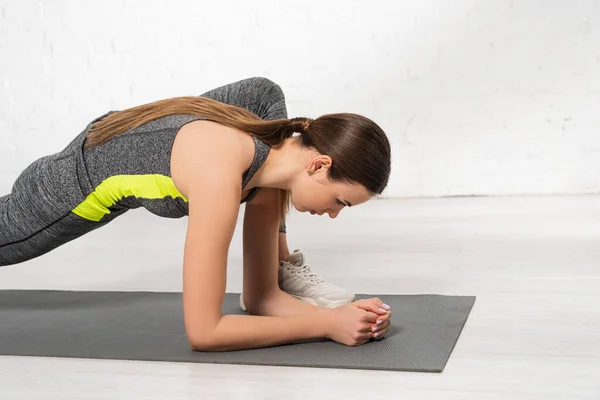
[350, 162]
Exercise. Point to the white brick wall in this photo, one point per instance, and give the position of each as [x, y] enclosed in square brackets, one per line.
[490, 97]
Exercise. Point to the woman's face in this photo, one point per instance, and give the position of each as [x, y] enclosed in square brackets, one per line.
[315, 193]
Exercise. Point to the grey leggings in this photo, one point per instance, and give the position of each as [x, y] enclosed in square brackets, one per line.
[36, 216]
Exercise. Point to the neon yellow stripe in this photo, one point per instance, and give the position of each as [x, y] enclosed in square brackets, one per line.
[112, 189]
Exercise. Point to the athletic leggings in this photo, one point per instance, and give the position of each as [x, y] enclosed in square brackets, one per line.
[37, 216]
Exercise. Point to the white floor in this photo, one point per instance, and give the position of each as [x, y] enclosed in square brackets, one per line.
[532, 262]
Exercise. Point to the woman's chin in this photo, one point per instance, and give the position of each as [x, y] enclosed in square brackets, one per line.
[306, 210]
[300, 208]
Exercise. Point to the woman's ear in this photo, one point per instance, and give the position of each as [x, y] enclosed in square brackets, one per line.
[321, 163]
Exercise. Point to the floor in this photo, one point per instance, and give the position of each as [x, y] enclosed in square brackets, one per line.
[532, 262]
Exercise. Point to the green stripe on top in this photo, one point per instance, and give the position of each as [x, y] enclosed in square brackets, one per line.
[111, 190]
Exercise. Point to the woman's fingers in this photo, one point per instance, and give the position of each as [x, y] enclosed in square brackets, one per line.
[379, 330]
[374, 305]
[377, 319]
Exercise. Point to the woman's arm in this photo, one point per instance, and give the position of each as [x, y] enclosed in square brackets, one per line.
[213, 189]
[212, 217]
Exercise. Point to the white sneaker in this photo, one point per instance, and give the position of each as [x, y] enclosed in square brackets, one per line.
[297, 279]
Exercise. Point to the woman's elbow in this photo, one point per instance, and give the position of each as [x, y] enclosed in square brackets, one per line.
[202, 343]
[200, 346]
[202, 336]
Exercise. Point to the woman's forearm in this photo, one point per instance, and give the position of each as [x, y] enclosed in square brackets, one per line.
[238, 332]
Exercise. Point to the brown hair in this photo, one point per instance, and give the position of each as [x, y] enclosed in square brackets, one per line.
[359, 149]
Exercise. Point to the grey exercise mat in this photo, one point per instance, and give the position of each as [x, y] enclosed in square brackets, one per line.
[149, 326]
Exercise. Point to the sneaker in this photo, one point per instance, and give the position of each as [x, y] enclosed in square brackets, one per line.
[297, 279]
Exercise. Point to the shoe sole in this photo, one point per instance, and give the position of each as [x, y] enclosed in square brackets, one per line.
[242, 305]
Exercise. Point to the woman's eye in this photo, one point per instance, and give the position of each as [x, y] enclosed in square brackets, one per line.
[340, 203]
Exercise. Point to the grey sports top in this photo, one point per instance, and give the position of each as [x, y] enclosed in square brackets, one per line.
[132, 169]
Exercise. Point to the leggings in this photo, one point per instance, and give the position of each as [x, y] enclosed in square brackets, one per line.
[36, 216]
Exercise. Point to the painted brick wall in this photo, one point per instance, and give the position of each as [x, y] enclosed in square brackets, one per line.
[492, 97]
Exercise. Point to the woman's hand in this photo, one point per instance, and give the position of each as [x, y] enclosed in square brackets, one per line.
[384, 315]
[349, 325]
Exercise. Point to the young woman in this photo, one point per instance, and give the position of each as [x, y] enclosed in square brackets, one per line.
[201, 157]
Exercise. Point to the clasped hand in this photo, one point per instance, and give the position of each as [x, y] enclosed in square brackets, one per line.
[358, 322]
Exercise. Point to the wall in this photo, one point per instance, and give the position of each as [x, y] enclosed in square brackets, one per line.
[479, 98]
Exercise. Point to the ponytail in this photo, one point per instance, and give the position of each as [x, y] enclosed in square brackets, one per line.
[269, 131]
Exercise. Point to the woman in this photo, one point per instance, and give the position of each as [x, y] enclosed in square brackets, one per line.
[201, 157]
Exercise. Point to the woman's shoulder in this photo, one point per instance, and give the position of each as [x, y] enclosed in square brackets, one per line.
[205, 148]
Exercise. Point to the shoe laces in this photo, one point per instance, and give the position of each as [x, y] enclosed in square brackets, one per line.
[306, 272]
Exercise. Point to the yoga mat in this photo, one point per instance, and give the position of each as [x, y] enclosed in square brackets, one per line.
[149, 326]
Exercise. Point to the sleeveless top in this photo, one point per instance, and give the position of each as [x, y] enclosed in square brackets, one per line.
[133, 170]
